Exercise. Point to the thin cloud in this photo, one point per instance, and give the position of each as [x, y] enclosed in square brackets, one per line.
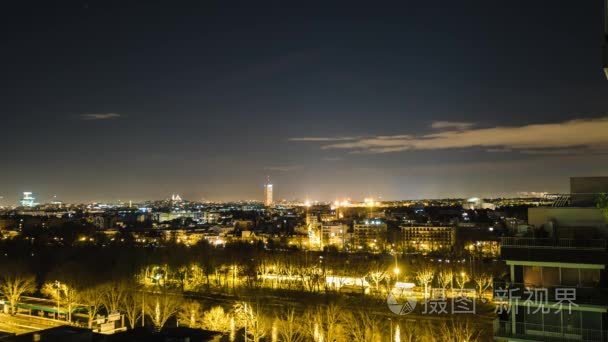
[573, 134]
[499, 150]
[333, 159]
[452, 125]
[323, 138]
[284, 168]
[100, 116]
[559, 151]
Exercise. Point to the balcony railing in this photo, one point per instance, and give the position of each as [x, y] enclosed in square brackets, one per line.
[522, 293]
[577, 199]
[582, 244]
[539, 332]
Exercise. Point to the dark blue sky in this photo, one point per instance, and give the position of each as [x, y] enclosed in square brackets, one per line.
[106, 100]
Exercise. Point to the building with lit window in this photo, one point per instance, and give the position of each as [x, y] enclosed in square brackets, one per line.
[333, 234]
[369, 235]
[312, 218]
[28, 200]
[268, 193]
[328, 217]
[427, 238]
[549, 274]
[211, 217]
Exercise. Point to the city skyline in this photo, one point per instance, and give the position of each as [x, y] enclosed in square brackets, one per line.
[400, 103]
[29, 198]
[291, 171]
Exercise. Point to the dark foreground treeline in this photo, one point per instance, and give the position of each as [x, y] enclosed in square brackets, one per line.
[93, 263]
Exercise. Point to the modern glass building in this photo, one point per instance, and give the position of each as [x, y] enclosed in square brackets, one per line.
[557, 288]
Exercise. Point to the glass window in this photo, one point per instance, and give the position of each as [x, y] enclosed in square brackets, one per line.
[553, 321]
[590, 278]
[592, 320]
[572, 321]
[533, 320]
[532, 276]
[570, 276]
[550, 276]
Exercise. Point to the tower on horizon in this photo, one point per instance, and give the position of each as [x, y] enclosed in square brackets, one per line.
[268, 193]
[28, 200]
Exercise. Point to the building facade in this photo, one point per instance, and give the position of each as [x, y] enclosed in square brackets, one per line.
[369, 235]
[28, 200]
[424, 239]
[268, 194]
[557, 289]
[333, 234]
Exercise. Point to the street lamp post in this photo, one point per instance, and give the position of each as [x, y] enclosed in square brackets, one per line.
[396, 270]
[143, 311]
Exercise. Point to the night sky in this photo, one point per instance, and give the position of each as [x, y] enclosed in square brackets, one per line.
[129, 100]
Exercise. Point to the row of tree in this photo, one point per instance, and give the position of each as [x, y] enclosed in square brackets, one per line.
[376, 278]
[325, 323]
[254, 322]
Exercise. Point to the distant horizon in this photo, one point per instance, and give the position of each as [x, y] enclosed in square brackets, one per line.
[44, 201]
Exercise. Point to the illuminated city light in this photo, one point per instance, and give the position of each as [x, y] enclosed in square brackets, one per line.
[237, 172]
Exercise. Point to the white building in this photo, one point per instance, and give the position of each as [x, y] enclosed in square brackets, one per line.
[211, 217]
[370, 235]
[268, 194]
[333, 233]
[28, 200]
[475, 203]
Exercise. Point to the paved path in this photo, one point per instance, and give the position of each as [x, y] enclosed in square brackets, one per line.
[20, 324]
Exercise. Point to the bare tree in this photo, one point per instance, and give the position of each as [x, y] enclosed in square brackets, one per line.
[445, 278]
[14, 285]
[290, 328]
[483, 281]
[92, 298]
[194, 277]
[377, 276]
[113, 294]
[459, 330]
[255, 324]
[190, 314]
[216, 319]
[63, 294]
[462, 279]
[325, 323]
[161, 306]
[131, 304]
[312, 277]
[425, 277]
[364, 327]
[409, 331]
